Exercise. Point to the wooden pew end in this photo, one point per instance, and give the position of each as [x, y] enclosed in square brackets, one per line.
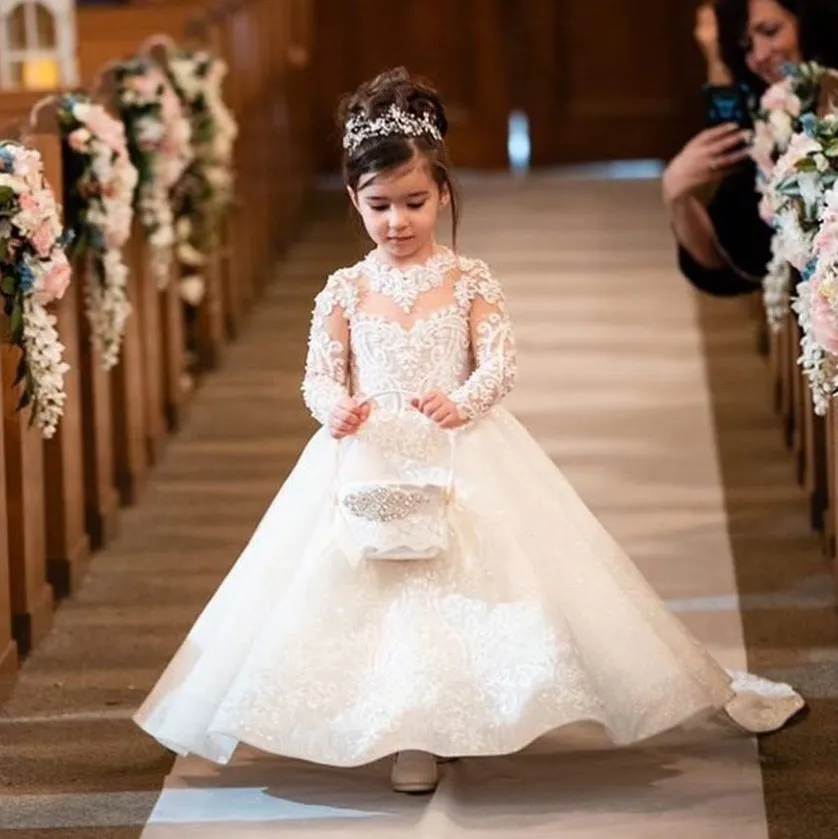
[8, 670]
[31, 628]
[66, 573]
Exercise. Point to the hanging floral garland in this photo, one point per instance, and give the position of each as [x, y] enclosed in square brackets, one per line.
[99, 210]
[817, 295]
[34, 272]
[205, 192]
[159, 142]
[776, 123]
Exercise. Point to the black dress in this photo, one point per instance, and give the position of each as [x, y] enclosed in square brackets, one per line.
[742, 234]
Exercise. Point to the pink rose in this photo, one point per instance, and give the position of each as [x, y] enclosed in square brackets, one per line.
[145, 86]
[43, 240]
[56, 279]
[766, 209]
[79, 139]
[779, 97]
[29, 203]
[827, 238]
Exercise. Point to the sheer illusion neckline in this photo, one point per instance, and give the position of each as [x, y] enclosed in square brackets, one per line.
[404, 285]
[442, 259]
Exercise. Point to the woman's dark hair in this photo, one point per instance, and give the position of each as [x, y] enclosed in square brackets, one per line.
[818, 27]
[374, 155]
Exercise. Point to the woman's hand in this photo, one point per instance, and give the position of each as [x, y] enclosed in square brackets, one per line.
[347, 417]
[707, 158]
[706, 31]
[437, 406]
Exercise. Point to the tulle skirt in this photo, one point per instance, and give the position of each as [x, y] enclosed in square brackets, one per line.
[533, 620]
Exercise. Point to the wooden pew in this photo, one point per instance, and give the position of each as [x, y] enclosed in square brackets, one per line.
[101, 503]
[271, 186]
[129, 384]
[66, 541]
[68, 547]
[8, 647]
[234, 265]
[211, 319]
[799, 391]
[31, 593]
[831, 517]
[171, 326]
[101, 499]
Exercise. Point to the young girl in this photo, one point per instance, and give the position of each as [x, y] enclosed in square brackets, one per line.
[526, 616]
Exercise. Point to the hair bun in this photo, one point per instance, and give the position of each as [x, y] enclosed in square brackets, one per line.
[394, 87]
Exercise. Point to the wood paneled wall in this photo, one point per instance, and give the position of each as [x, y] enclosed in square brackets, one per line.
[598, 79]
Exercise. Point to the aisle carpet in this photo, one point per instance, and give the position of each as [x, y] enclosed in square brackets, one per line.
[655, 405]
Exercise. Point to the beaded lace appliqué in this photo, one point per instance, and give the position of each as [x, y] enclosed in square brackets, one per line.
[405, 285]
[465, 349]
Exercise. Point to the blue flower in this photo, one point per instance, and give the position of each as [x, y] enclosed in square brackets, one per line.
[806, 273]
[7, 160]
[97, 239]
[809, 123]
[26, 276]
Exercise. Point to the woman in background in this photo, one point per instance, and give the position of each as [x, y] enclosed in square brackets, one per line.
[709, 187]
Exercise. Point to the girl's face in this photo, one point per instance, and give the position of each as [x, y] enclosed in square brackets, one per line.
[400, 209]
[771, 40]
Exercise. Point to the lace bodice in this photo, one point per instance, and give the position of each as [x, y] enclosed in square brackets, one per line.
[441, 325]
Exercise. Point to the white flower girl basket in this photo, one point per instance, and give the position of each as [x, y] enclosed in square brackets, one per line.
[397, 512]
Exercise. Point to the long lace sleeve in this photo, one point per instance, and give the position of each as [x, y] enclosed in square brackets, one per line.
[493, 347]
[325, 382]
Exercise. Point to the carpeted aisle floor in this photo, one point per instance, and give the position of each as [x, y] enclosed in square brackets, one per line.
[655, 405]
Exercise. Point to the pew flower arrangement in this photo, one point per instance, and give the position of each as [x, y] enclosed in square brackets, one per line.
[794, 196]
[99, 210]
[777, 124]
[777, 119]
[205, 192]
[817, 296]
[159, 142]
[34, 272]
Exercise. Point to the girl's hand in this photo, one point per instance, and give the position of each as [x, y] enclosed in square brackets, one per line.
[437, 406]
[705, 159]
[347, 418]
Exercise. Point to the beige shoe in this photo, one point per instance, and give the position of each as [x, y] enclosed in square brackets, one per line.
[414, 772]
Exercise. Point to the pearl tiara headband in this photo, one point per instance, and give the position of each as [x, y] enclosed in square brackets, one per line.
[395, 122]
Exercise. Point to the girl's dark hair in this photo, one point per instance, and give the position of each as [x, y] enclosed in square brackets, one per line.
[416, 98]
[817, 23]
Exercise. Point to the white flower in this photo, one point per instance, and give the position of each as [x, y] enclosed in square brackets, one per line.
[192, 289]
[43, 356]
[16, 184]
[189, 255]
[819, 366]
[776, 286]
[111, 179]
[782, 125]
[794, 243]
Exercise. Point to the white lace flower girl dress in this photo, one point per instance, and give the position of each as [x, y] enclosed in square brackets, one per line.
[533, 620]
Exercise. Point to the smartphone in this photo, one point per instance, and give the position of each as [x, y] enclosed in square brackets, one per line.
[727, 103]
